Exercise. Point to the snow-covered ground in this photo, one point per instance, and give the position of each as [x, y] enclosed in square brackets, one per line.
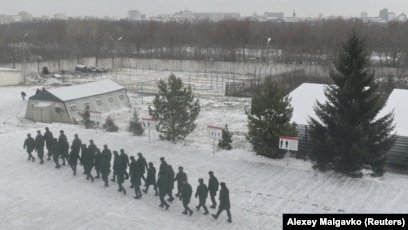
[34, 196]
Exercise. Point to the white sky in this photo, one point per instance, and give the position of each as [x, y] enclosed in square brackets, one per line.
[119, 8]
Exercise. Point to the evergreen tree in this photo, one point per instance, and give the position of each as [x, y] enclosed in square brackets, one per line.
[225, 142]
[268, 119]
[110, 125]
[175, 109]
[135, 126]
[347, 136]
[86, 121]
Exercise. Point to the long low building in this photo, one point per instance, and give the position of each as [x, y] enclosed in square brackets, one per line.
[65, 104]
[11, 77]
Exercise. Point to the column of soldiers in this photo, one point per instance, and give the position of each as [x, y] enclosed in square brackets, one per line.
[91, 157]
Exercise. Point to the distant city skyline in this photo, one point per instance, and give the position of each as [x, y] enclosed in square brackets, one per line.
[119, 8]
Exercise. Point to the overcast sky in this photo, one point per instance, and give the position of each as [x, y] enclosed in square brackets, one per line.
[119, 8]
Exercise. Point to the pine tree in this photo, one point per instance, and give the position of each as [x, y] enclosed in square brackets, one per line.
[268, 119]
[347, 136]
[86, 121]
[135, 126]
[225, 142]
[175, 109]
[110, 125]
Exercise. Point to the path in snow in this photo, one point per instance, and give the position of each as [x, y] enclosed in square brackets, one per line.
[44, 197]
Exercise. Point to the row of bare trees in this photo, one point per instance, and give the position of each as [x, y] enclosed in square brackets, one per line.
[301, 42]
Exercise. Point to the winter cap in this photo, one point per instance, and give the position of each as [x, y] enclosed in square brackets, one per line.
[139, 154]
[132, 157]
[222, 184]
[122, 150]
[61, 131]
[180, 168]
[162, 158]
[46, 128]
[91, 141]
[200, 180]
[75, 135]
[211, 172]
[151, 163]
[105, 146]
[38, 131]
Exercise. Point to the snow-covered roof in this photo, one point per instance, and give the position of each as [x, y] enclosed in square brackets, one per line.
[85, 90]
[397, 102]
[304, 99]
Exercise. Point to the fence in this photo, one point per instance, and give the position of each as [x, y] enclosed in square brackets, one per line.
[397, 155]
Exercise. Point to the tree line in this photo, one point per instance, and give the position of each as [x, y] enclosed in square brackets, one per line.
[301, 42]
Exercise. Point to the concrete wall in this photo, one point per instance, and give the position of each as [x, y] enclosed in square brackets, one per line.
[10, 77]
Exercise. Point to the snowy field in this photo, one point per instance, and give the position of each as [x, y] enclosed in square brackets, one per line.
[34, 196]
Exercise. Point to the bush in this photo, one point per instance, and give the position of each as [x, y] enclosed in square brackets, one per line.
[110, 125]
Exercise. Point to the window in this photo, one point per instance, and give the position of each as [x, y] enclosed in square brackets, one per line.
[121, 97]
[99, 101]
[110, 99]
[73, 107]
[58, 109]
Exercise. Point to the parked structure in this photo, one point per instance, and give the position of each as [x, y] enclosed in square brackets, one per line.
[65, 104]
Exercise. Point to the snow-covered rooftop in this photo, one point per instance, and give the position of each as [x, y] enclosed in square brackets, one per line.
[397, 102]
[304, 99]
[85, 90]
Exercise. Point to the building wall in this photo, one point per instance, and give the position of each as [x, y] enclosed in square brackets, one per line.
[11, 77]
[105, 103]
[55, 112]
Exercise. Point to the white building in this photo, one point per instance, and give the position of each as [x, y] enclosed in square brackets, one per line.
[136, 15]
[303, 101]
[65, 104]
[11, 77]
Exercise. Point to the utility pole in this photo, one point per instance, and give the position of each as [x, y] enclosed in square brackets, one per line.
[115, 56]
[23, 56]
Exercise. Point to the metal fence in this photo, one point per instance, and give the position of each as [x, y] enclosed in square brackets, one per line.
[398, 154]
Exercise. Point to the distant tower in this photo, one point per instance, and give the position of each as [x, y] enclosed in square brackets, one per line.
[384, 14]
[294, 14]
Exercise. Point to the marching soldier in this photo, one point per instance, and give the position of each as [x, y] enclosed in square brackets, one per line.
[185, 196]
[48, 140]
[63, 146]
[55, 152]
[121, 174]
[162, 184]
[212, 188]
[98, 163]
[115, 165]
[142, 166]
[151, 178]
[180, 177]
[73, 159]
[170, 183]
[201, 193]
[163, 166]
[224, 202]
[88, 161]
[125, 162]
[39, 146]
[29, 145]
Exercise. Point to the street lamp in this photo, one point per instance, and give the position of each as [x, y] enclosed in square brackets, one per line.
[268, 40]
[23, 56]
[116, 54]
